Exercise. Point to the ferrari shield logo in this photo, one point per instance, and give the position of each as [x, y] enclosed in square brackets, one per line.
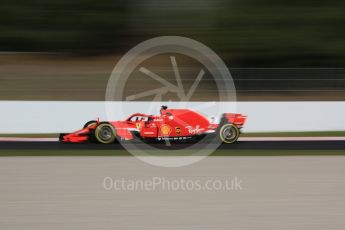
[137, 125]
[178, 130]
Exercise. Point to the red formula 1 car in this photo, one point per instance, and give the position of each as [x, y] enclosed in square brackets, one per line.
[171, 124]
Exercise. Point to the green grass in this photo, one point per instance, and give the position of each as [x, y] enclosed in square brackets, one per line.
[6, 153]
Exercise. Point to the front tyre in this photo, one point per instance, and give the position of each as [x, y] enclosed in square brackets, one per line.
[229, 133]
[89, 123]
[105, 133]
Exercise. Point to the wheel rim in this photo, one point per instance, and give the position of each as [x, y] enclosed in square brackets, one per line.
[105, 134]
[229, 133]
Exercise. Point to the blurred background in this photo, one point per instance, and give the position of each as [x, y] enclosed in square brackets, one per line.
[275, 50]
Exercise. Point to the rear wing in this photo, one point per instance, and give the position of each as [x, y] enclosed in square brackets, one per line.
[234, 118]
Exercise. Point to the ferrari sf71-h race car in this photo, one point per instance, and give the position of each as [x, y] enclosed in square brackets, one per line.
[172, 124]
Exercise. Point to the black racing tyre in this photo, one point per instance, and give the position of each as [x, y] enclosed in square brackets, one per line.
[105, 133]
[229, 133]
[89, 123]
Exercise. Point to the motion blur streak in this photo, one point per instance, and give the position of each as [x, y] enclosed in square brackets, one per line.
[245, 32]
[63, 50]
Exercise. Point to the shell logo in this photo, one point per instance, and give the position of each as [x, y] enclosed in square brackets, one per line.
[165, 130]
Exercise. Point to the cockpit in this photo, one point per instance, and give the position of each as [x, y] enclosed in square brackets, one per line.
[138, 118]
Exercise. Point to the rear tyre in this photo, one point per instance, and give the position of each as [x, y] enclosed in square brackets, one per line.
[229, 133]
[105, 133]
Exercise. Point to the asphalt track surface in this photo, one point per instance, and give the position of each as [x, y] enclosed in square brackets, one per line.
[55, 193]
[269, 143]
